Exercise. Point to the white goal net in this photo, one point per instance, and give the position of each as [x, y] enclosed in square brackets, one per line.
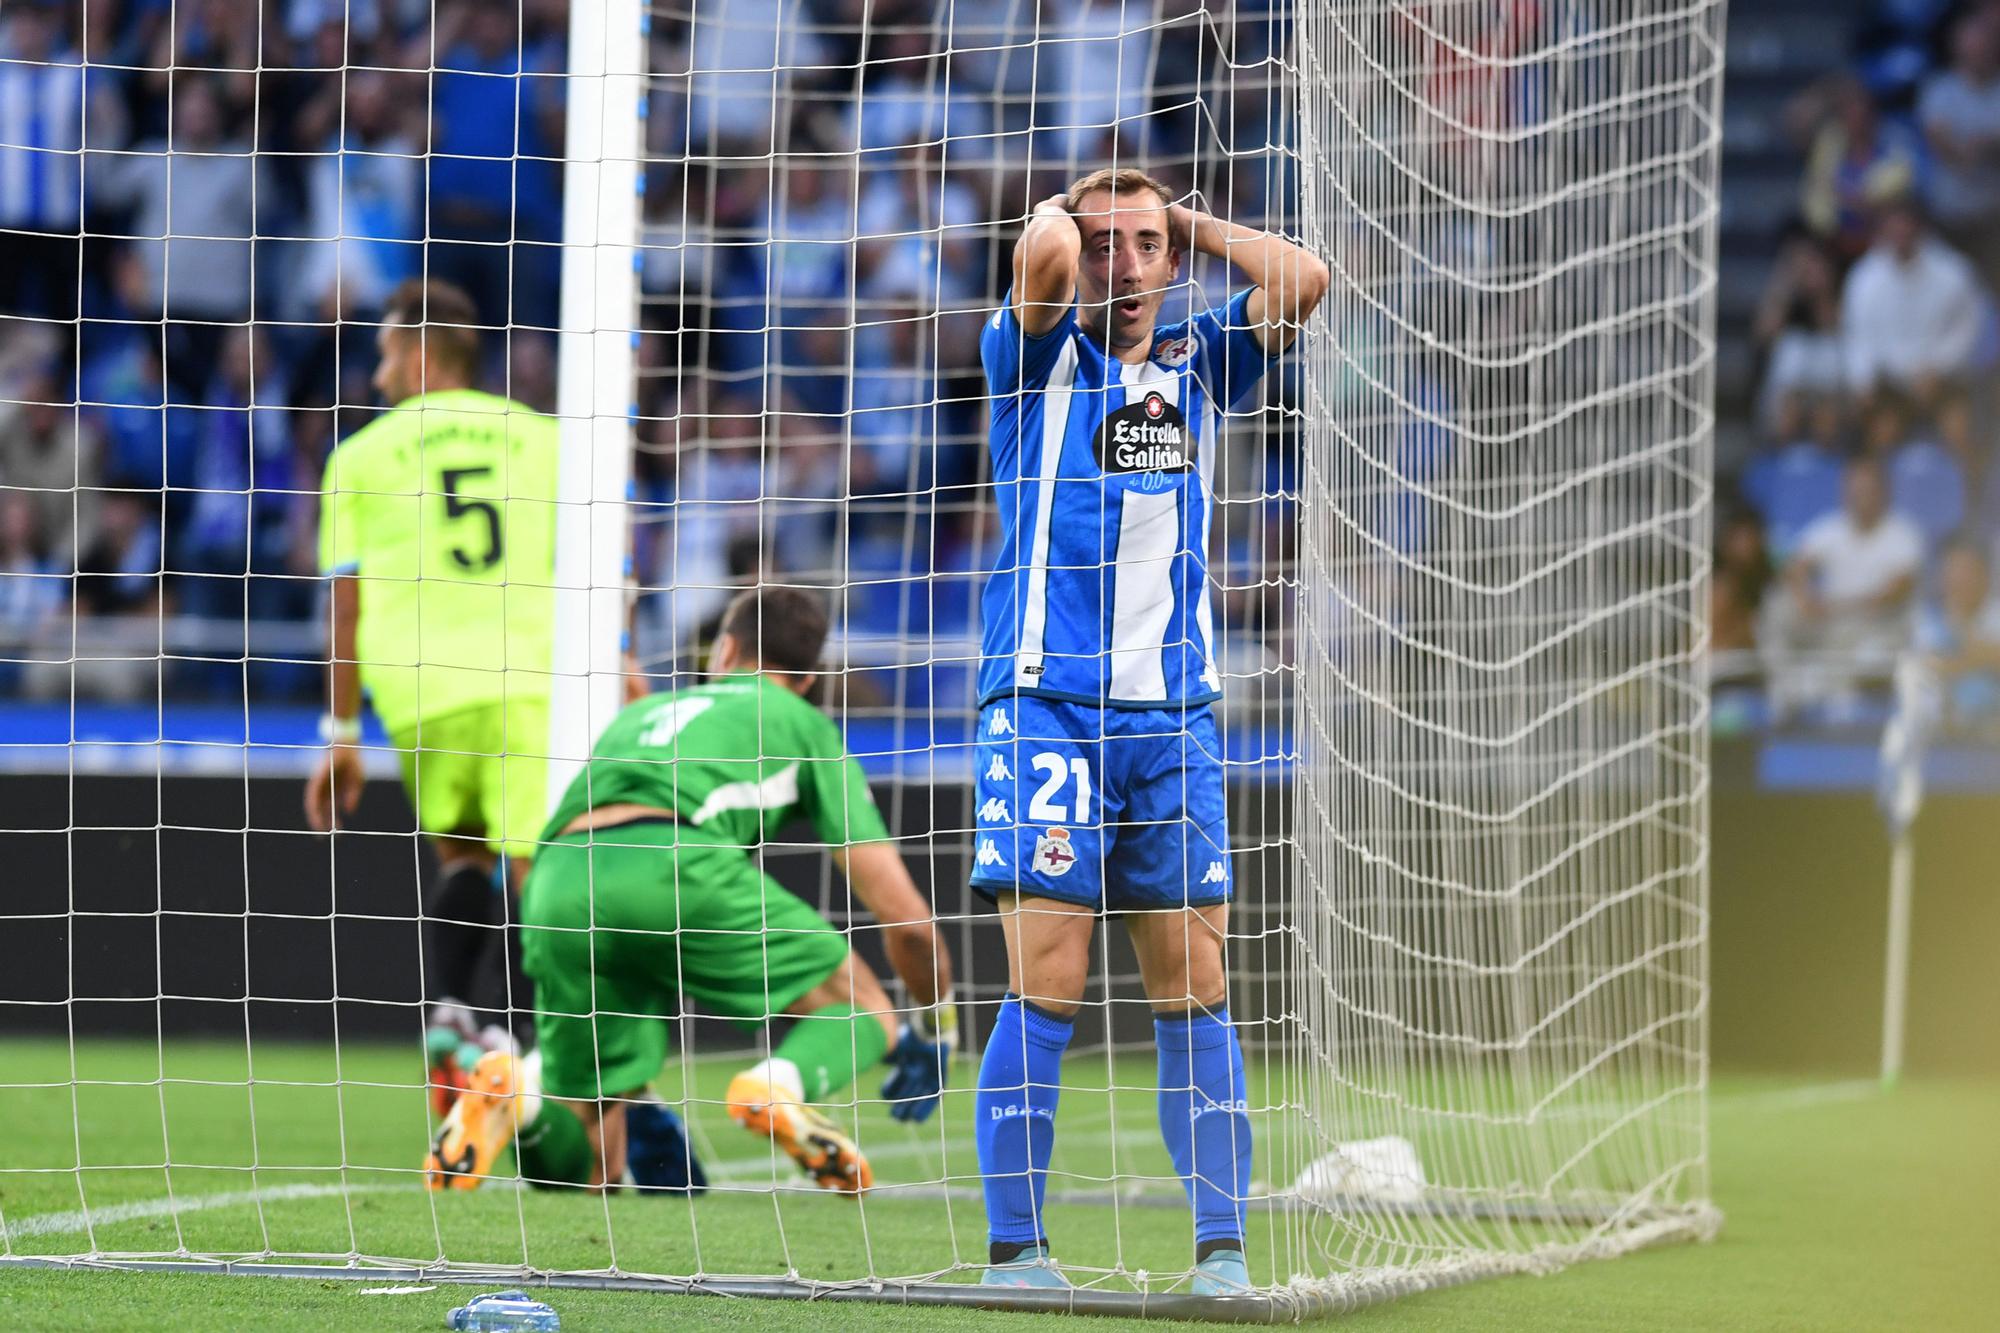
[741, 253]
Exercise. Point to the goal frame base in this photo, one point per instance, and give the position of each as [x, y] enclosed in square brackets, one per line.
[1282, 1305]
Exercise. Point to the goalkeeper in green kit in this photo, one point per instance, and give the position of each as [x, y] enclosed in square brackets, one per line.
[646, 895]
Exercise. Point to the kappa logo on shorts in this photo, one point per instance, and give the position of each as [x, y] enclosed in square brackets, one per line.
[989, 854]
[995, 811]
[1215, 874]
[1052, 854]
[997, 771]
[999, 726]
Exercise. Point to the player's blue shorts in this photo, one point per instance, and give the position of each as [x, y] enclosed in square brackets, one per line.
[1116, 808]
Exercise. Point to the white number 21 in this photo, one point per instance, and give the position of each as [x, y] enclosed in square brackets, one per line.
[1044, 807]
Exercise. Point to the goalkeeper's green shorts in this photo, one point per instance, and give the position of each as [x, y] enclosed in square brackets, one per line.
[480, 773]
[621, 924]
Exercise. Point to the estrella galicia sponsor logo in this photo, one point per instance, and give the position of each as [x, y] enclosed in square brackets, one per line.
[1150, 435]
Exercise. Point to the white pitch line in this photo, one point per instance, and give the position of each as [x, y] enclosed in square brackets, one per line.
[111, 1214]
[733, 1170]
[736, 1170]
[1798, 1099]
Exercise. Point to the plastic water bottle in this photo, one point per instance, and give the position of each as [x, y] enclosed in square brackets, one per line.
[502, 1312]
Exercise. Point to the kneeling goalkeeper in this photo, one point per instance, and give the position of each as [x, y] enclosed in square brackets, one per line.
[646, 892]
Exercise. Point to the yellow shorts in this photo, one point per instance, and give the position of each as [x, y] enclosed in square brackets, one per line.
[481, 773]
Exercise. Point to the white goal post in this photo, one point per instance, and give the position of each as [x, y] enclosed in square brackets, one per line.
[1459, 572]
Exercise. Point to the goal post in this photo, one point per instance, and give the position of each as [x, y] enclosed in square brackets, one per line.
[1456, 559]
[597, 374]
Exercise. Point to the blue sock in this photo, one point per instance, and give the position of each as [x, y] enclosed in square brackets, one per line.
[1020, 1077]
[1204, 1117]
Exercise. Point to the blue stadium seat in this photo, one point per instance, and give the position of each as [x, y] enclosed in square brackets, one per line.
[885, 594]
[1789, 487]
[953, 599]
[1927, 486]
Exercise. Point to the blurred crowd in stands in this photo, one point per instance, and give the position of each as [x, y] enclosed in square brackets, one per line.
[204, 203]
[202, 218]
[1862, 527]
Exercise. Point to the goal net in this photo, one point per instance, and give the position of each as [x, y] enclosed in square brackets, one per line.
[742, 251]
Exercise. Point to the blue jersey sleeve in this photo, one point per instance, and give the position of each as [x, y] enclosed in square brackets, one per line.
[1016, 359]
[1230, 358]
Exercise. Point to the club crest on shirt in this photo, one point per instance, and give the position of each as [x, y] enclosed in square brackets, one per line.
[1053, 856]
[1175, 352]
[1150, 435]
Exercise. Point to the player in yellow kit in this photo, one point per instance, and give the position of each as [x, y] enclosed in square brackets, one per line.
[437, 529]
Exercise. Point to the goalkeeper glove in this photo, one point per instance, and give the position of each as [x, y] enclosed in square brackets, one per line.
[921, 1058]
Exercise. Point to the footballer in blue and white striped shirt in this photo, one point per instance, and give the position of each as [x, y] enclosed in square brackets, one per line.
[1100, 782]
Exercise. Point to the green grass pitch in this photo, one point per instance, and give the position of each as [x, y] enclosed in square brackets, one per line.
[1847, 1208]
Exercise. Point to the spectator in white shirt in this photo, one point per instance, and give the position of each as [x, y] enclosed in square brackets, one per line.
[1960, 113]
[1959, 637]
[42, 120]
[1094, 75]
[744, 57]
[363, 220]
[1912, 313]
[193, 200]
[1846, 609]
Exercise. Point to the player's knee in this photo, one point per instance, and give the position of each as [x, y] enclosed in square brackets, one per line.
[1198, 984]
[1061, 1006]
[1054, 983]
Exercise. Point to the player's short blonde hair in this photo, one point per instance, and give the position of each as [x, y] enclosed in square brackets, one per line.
[446, 317]
[1124, 180]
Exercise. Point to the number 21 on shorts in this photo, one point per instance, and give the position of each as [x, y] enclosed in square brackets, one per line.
[1055, 769]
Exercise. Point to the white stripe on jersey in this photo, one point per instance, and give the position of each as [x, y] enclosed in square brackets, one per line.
[1055, 425]
[1149, 539]
[1204, 613]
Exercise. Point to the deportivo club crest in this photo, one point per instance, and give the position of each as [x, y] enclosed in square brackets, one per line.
[1052, 854]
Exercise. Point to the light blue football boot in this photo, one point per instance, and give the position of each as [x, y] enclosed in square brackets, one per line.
[1031, 1268]
[1223, 1273]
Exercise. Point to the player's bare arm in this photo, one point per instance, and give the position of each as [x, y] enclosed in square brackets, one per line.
[334, 788]
[1045, 262]
[1290, 281]
[916, 950]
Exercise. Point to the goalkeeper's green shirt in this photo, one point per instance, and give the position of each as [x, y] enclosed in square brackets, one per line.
[735, 759]
[444, 508]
